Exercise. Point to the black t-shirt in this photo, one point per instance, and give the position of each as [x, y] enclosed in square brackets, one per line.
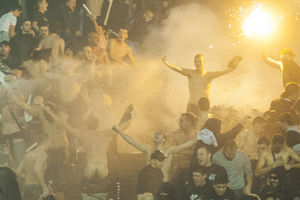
[40, 18]
[195, 192]
[149, 179]
[9, 187]
[228, 195]
[22, 46]
[211, 170]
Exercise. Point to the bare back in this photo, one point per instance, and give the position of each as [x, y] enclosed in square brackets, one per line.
[96, 145]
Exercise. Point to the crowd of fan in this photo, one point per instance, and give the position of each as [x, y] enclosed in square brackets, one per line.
[54, 65]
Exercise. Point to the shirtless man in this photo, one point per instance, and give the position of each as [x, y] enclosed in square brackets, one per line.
[54, 42]
[287, 66]
[187, 128]
[54, 145]
[32, 169]
[279, 156]
[101, 54]
[118, 49]
[159, 139]
[199, 79]
[95, 142]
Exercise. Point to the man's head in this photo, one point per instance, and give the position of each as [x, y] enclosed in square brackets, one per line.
[157, 159]
[93, 39]
[16, 10]
[199, 176]
[285, 121]
[26, 26]
[44, 30]
[187, 121]
[287, 54]
[4, 49]
[199, 61]
[220, 183]
[274, 179]
[229, 149]
[38, 102]
[92, 122]
[258, 124]
[87, 53]
[159, 137]
[262, 145]
[277, 143]
[42, 5]
[203, 104]
[123, 34]
[292, 90]
[71, 4]
[204, 156]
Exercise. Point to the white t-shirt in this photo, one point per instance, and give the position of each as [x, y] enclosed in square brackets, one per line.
[6, 21]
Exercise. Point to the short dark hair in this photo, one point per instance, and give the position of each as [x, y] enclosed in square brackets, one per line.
[190, 117]
[157, 155]
[201, 170]
[263, 140]
[221, 178]
[259, 120]
[203, 104]
[5, 43]
[286, 118]
[278, 139]
[16, 7]
[207, 147]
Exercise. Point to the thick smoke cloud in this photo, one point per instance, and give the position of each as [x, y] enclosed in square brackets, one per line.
[192, 29]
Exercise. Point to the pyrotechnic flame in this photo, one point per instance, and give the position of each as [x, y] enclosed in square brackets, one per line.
[259, 24]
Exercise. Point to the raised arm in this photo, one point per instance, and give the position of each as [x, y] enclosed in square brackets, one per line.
[271, 62]
[141, 147]
[231, 66]
[181, 147]
[185, 72]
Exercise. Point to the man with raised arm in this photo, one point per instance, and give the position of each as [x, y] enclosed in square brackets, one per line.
[199, 79]
[118, 49]
[288, 67]
[159, 140]
[97, 181]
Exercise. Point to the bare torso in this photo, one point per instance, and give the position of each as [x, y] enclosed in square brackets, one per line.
[121, 49]
[57, 45]
[96, 145]
[198, 86]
